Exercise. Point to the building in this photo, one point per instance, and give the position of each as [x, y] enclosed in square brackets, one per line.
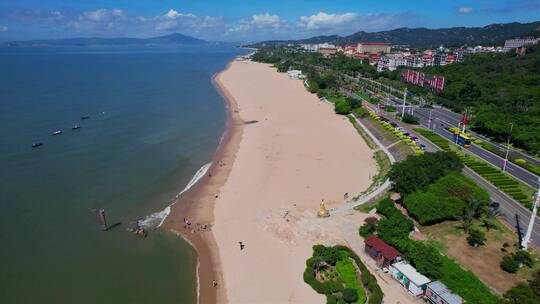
[373, 47]
[327, 51]
[296, 74]
[383, 253]
[438, 293]
[411, 279]
[519, 42]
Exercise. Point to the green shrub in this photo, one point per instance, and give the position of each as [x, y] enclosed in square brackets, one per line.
[476, 238]
[524, 258]
[509, 264]
[465, 283]
[350, 295]
[417, 172]
[410, 119]
[331, 299]
[445, 199]
[360, 112]
[390, 109]
[522, 293]
[342, 108]
[520, 161]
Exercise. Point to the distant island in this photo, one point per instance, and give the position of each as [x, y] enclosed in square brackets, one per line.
[423, 37]
[171, 39]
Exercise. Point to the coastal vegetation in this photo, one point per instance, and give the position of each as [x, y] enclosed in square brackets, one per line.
[332, 271]
[395, 228]
[446, 199]
[504, 182]
[499, 89]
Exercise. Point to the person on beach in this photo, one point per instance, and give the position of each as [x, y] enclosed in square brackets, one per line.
[214, 283]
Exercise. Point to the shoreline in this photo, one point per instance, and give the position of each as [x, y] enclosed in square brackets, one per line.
[197, 204]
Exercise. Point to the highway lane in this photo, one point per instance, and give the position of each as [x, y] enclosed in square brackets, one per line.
[454, 119]
[438, 125]
[509, 208]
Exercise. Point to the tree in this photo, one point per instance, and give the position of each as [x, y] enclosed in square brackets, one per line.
[350, 295]
[410, 119]
[418, 171]
[523, 258]
[425, 259]
[476, 238]
[329, 255]
[521, 294]
[342, 108]
[509, 264]
[369, 227]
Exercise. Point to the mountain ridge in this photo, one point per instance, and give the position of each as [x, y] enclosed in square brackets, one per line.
[424, 37]
[170, 39]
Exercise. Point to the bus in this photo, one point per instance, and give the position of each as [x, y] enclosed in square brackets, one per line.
[462, 140]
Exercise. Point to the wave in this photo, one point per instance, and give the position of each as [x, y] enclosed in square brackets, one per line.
[156, 219]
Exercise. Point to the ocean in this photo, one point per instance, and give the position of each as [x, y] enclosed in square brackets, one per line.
[155, 119]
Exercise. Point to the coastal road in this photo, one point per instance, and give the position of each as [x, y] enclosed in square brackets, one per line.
[440, 122]
[510, 211]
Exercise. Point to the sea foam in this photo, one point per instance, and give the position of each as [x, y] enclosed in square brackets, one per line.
[156, 219]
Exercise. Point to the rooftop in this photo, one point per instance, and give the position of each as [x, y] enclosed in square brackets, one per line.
[414, 276]
[375, 43]
[444, 293]
[386, 250]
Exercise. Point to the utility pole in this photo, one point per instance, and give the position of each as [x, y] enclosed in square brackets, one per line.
[526, 240]
[507, 148]
[404, 102]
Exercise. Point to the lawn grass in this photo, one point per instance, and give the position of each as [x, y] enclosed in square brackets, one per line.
[347, 272]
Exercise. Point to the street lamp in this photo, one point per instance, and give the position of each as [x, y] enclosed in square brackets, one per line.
[507, 148]
[404, 102]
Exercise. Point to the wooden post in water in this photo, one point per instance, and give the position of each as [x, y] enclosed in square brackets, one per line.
[102, 220]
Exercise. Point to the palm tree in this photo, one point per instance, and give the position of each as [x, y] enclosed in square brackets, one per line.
[472, 210]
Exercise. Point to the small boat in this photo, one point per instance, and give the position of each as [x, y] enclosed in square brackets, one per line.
[57, 132]
[85, 117]
[75, 127]
[37, 144]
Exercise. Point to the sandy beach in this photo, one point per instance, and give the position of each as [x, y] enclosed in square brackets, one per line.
[294, 152]
[283, 152]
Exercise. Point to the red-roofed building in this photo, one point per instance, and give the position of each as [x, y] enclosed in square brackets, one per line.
[383, 253]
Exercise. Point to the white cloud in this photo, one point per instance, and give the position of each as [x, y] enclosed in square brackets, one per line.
[326, 21]
[266, 20]
[262, 26]
[465, 10]
[3, 28]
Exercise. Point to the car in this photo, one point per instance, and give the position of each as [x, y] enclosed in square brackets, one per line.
[494, 206]
[406, 133]
[393, 124]
[414, 138]
[399, 128]
[422, 146]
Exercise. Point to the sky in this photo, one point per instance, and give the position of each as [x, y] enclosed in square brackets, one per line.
[246, 20]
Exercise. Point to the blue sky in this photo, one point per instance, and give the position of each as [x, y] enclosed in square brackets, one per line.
[246, 20]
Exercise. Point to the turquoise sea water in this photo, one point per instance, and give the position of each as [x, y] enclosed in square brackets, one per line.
[155, 119]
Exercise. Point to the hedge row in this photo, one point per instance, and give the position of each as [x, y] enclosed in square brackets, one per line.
[518, 161]
[499, 179]
[435, 138]
[494, 176]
